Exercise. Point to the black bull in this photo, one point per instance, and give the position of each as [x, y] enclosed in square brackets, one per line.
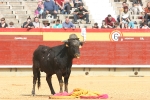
[56, 60]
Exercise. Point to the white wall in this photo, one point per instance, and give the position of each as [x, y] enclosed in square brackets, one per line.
[99, 9]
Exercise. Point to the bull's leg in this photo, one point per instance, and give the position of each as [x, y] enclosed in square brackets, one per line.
[48, 79]
[59, 76]
[66, 80]
[34, 80]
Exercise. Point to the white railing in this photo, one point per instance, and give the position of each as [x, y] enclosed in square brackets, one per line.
[83, 66]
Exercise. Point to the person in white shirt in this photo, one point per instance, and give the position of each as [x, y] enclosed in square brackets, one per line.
[36, 22]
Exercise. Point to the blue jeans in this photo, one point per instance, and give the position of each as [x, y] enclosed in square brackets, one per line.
[57, 7]
[131, 24]
[66, 9]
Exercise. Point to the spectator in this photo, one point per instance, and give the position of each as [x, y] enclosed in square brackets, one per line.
[3, 24]
[28, 23]
[11, 25]
[116, 25]
[81, 13]
[145, 26]
[103, 24]
[125, 20]
[109, 21]
[121, 10]
[95, 26]
[66, 5]
[40, 9]
[67, 24]
[36, 22]
[57, 25]
[142, 23]
[46, 24]
[58, 6]
[77, 3]
[147, 12]
[137, 6]
[49, 8]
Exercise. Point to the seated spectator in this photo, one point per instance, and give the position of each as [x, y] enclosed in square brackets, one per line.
[103, 24]
[11, 25]
[147, 12]
[137, 7]
[77, 3]
[116, 25]
[57, 25]
[36, 22]
[3, 24]
[142, 23]
[67, 24]
[121, 10]
[46, 24]
[28, 23]
[40, 9]
[109, 21]
[145, 26]
[95, 26]
[49, 8]
[81, 13]
[66, 5]
[58, 6]
[125, 20]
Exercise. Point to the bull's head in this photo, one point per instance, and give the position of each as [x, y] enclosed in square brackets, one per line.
[73, 44]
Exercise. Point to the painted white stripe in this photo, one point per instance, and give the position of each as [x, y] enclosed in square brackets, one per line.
[83, 66]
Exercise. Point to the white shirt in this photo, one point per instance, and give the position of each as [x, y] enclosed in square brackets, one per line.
[145, 27]
[46, 27]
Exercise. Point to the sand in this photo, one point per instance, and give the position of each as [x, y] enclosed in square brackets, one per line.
[117, 88]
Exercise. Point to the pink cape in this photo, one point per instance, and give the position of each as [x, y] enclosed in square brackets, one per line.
[104, 96]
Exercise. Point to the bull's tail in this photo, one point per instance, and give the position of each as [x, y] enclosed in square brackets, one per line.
[38, 78]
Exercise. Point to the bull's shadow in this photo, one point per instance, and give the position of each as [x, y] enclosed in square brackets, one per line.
[29, 95]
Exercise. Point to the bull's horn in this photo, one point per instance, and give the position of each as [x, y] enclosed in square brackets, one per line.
[64, 41]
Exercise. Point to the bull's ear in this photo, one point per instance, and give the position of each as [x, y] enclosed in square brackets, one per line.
[81, 44]
[67, 45]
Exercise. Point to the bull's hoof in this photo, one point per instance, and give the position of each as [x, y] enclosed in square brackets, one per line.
[52, 93]
[66, 91]
[61, 91]
[33, 93]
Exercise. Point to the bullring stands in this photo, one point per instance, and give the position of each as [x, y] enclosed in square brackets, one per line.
[18, 10]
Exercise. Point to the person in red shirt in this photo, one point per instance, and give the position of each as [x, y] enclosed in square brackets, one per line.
[64, 5]
[109, 21]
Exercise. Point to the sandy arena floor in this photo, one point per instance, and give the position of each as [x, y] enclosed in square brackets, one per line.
[117, 88]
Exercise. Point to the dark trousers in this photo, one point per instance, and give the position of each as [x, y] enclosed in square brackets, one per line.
[76, 17]
[147, 17]
[50, 12]
[66, 9]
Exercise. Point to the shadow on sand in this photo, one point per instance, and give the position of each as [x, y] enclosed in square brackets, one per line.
[35, 95]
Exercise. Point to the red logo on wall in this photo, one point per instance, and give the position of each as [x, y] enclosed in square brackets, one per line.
[114, 35]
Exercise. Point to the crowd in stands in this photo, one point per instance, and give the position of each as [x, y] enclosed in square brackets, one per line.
[124, 19]
[51, 8]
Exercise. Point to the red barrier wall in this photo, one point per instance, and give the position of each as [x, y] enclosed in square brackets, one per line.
[113, 53]
[16, 51]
